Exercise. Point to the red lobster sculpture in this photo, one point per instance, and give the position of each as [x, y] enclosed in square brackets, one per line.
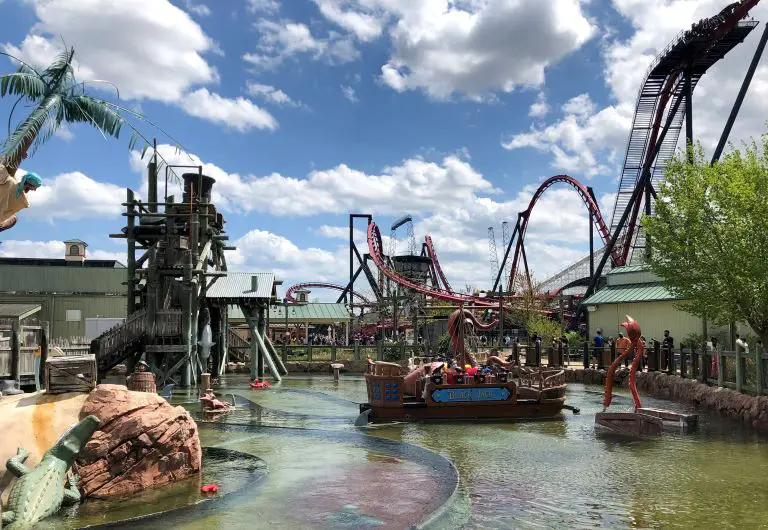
[638, 347]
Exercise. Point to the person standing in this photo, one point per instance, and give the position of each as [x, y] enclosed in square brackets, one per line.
[599, 344]
[622, 345]
[668, 346]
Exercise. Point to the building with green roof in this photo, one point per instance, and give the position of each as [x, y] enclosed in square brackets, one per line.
[634, 290]
[301, 319]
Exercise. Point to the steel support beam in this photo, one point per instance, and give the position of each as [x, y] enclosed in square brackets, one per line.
[740, 96]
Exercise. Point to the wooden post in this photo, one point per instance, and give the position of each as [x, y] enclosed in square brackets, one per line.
[43, 352]
[759, 383]
[537, 353]
[357, 350]
[379, 352]
[260, 329]
[739, 368]
[586, 354]
[333, 352]
[671, 361]
[720, 368]
[613, 351]
[15, 352]
[682, 362]
[131, 258]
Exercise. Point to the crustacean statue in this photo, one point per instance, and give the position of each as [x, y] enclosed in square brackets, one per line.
[638, 347]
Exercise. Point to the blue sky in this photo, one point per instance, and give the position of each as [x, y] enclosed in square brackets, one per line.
[307, 110]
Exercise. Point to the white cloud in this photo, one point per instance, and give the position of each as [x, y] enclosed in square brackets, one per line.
[149, 48]
[284, 39]
[73, 196]
[51, 250]
[266, 6]
[476, 48]
[263, 251]
[539, 108]
[349, 93]
[271, 94]
[240, 114]
[588, 141]
[200, 10]
[65, 133]
[340, 232]
[580, 138]
[366, 25]
[416, 185]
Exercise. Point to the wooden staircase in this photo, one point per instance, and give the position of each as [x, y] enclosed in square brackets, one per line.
[238, 350]
[118, 343]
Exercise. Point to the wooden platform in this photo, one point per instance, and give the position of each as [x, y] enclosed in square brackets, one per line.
[644, 422]
[628, 424]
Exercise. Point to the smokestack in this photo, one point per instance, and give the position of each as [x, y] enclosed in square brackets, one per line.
[254, 283]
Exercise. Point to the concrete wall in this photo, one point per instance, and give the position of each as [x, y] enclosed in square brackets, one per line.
[653, 317]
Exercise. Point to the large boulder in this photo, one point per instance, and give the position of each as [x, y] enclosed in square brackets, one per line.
[142, 442]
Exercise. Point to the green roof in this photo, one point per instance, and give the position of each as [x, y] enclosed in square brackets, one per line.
[316, 312]
[630, 268]
[636, 292]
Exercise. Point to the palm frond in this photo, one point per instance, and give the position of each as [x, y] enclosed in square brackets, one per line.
[93, 111]
[24, 140]
[143, 118]
[60, 73]
[24, 67]
[26, 84]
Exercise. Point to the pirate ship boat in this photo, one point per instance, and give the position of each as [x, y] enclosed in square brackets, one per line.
[463, 390]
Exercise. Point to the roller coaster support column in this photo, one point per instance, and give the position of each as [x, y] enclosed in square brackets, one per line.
[740, 97]
[687, 88]
[506, 256]
[641, 186]
[591, 237]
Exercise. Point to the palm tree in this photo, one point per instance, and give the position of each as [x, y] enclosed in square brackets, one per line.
[58, 98]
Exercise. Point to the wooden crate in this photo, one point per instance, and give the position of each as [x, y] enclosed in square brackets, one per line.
[70, 374]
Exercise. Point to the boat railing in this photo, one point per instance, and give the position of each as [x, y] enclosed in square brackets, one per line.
[532, 377]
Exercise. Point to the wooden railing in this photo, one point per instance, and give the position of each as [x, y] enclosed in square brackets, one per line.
[121, 335]
[238, 350]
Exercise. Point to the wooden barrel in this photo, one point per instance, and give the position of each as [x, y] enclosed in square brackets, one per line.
[142, 382]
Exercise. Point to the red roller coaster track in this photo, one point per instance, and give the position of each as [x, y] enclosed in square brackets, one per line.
[436, 264]
[589, 202]
[322, 285]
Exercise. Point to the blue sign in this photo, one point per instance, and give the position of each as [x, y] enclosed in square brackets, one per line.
[458, 395]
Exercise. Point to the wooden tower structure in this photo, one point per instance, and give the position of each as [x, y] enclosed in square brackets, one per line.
[175, 254]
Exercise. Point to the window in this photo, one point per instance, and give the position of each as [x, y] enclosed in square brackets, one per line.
[74, 250]
[73, 315]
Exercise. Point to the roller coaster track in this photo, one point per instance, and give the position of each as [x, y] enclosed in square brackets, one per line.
[693, 52]
[375, 251]
[436, 264]
[589, 202]
[322, 285]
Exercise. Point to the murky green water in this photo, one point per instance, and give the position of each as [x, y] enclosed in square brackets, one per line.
[325, 473]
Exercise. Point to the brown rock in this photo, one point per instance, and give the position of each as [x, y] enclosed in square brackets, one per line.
[142, 442]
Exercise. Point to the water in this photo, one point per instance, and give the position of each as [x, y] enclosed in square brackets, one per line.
[325, 473]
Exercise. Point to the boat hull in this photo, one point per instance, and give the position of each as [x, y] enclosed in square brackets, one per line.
[522, 410]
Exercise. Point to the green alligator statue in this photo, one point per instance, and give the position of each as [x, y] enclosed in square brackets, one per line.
[40, 492]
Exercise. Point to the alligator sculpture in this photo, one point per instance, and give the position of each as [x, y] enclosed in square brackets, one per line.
[40, 492]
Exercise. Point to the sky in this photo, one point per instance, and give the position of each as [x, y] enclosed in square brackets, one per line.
[452, 111]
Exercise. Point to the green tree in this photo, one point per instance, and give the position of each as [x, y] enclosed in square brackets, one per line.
[709, 238]
[57, 97]
[544, 327]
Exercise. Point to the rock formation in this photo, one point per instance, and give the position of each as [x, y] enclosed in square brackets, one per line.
[142, 442]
